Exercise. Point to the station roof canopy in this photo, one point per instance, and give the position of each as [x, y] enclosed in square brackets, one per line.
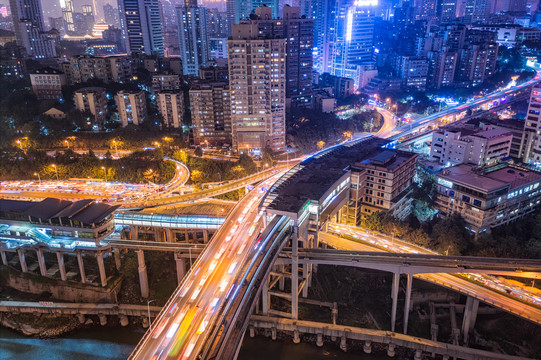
[87, 211]
[310, 179]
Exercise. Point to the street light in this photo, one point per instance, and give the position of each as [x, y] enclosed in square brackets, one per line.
[104, 172]
[20, 144]
[67, 143]
[56, 171]
[39, 177]
[116, 149]
[148, 308]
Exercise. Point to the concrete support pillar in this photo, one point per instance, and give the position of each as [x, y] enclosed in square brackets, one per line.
[407, 302]
[181, 268]
[367, 347]
[101, 268]
[41, 262]
[116, 256]
[274, 333]
[124, 321]
[4, 258]
[134, 233]
[61, 265]
[81, 266]
[103, 319]
[343, 343]
[265, 298]
[470, 315]
[295, 273]
[394, 296]
[418, 355]
[169, 236]
[319, 340]
[81, 318]
[205, 236]
[143, 277]
[296, 337]
[391, 350]
[334, 313]
[252, 332]
[22, 260]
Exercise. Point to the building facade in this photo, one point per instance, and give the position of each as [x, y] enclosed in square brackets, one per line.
[141, 24]
[533, 125]
[353, 37]
[210, 105]
[487, 197]
[29, 28]
[131, 107]
[257, 81]
[171, 107]
[47, 83]
[381, 182]
[165, 82]
[193, 37]
[452, 146]
[110, 68]
[94, 101]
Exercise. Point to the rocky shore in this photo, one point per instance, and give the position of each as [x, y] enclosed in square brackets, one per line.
[41, 325]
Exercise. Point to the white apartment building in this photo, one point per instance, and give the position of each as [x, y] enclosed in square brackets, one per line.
[171, 107]
[131, 106]
[257, 82]
[453, 146]
[93, 100]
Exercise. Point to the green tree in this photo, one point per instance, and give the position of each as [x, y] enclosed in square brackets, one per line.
[181, 156]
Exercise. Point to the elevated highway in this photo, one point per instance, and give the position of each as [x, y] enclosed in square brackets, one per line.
[215, 191]
[426, 120]
[488, 289]
[418, 263]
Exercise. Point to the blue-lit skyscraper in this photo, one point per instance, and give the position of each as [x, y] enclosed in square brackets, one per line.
[192, 33]
[28, 24]
[354, 36]
[323, 12]
[142, 26]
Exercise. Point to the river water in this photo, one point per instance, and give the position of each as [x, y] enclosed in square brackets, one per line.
[117, 343]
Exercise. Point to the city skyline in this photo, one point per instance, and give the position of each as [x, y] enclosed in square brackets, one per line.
[238, 177]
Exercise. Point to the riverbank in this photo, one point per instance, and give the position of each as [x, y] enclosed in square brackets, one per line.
[117, 344]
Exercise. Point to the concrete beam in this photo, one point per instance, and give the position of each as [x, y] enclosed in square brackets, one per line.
[61, 265]
[4, 258]
[143, 277]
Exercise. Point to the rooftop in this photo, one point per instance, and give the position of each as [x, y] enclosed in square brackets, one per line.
[310, 179]
[86, 211]
[389, 159]
[491, 178]
[492, 134]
